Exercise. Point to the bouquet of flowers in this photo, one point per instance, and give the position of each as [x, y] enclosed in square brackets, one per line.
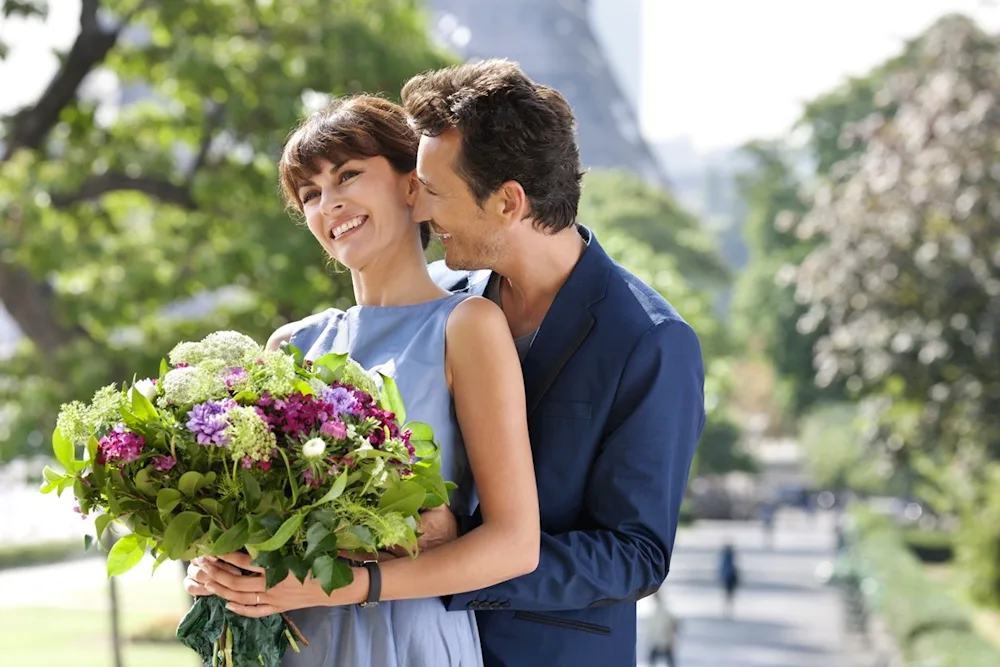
[236, 447]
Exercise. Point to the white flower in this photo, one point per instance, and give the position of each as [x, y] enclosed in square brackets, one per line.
[314, 448]
[147, 388]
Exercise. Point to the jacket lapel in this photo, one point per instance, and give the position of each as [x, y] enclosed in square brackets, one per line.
[567, 323]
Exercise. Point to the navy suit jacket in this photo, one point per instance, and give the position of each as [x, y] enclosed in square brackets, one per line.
[615, 394]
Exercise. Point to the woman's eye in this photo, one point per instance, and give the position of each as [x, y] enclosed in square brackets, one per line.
[312, 194]
[348, 175]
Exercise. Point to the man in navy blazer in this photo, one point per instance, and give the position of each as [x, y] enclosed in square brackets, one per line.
[613, 375]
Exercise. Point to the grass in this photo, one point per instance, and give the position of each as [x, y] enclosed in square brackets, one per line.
[986, 621]
[67, 623]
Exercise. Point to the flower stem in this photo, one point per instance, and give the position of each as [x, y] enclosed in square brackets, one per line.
[298, 633]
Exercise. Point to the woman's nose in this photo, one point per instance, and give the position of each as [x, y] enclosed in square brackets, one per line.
[330, 203]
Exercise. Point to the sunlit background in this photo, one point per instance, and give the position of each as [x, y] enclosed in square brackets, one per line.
[815, 187]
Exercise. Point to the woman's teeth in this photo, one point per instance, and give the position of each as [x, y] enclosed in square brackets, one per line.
[348, 226]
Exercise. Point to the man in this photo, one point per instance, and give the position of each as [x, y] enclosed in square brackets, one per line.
[613, 375]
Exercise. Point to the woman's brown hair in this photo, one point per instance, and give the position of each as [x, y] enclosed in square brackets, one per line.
[361, 126]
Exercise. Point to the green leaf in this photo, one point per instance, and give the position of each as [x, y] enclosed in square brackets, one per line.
[355, 539]
[63, 450]
[125, 554]
[295, 353]
[101, 524]
[335, 491]
[181, 532]
[51, 475]
[424, 449]
[88, 541]
[164, 368]
[190, 482]
[331, 361]
[303, 387]
[319, 539]
[92, 446]
[251, 489]
[419, 431]
[160, 559]
[391, 398]
[284, 533]
[275, 574]
[406, 498]
[232, 540]
[332, 573]
[142, 408]
[167, 500]
[298, 566]
[143, 483]
[211, 505]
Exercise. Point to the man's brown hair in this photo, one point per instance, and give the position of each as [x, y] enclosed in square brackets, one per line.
[362, 126]
[512, 128]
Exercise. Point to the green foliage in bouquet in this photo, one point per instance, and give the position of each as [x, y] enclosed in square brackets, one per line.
[234, 447]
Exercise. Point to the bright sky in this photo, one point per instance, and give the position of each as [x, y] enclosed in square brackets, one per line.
[718, 71]
[726, 71]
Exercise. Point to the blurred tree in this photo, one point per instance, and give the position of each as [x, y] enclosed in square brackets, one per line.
[617, 200]
[136, 217]
[643, 229]
[905, 275]
[765, 314]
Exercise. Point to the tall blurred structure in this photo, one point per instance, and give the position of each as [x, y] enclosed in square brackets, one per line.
[556, 43]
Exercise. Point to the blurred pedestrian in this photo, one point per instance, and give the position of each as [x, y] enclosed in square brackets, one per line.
[662, 633]
[729, 576]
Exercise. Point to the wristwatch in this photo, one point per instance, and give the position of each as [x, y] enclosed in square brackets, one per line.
[374, 583]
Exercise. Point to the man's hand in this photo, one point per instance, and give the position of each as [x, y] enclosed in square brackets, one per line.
[437, 526]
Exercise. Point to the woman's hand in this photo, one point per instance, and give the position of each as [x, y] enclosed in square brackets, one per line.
[247, 594]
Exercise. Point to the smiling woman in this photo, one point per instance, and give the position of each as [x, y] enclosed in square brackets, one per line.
[338, 166]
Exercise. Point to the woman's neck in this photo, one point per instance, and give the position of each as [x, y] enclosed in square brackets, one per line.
[401, 279]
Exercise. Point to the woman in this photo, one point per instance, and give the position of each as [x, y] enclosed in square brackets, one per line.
[350, 170]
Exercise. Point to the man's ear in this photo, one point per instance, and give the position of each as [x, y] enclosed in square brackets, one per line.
[511, 202]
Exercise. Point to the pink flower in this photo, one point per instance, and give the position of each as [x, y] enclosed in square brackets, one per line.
[119, 445]
[334, 429]
[163, 463]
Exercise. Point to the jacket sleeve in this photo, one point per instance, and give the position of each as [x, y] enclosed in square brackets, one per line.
[636, 486]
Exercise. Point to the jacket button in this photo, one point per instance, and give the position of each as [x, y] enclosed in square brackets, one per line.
[505, 604]
[474, 604]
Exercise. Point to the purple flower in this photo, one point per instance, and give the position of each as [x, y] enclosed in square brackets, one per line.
[342, 400]
[208, 422]
[163, 463]
[119, 445]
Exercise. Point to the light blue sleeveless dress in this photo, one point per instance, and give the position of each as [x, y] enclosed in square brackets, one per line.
[407, 343]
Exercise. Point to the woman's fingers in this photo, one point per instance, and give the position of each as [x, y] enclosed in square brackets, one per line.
[242, 561]
[194, 588]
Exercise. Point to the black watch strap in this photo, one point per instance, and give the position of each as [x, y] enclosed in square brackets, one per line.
[374, 584]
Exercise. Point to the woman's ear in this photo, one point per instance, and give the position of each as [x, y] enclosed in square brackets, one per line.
[412, 188]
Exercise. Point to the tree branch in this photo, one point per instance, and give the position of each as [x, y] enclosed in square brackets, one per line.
[96, 186]
[30, 126]
[212, 120]
[30, 301]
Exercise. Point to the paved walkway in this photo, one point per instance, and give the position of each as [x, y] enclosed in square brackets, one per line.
[784, 615]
